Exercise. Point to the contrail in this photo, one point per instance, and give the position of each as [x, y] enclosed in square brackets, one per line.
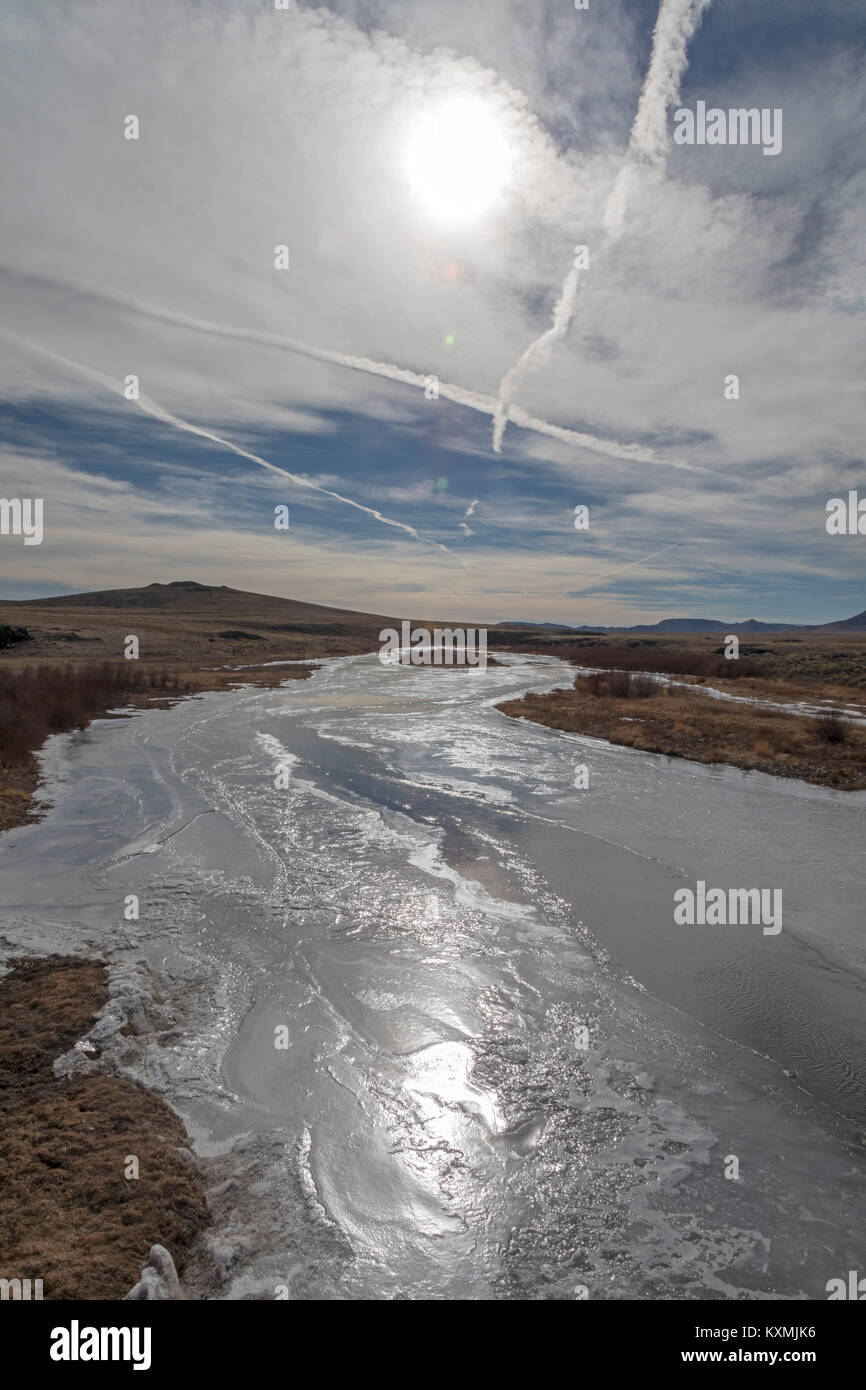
[676, 23]
[473, 400]
[467, 530]
[675, 27]
[620, 568]
[634, 453]
[460, 395]
[536, 355]
[152, 408]
[648, 143]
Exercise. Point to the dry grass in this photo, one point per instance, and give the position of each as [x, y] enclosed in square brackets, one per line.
[690, 724]
[68, 1215]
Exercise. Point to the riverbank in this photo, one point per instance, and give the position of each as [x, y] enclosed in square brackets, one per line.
[98, 1169]
[692, 723]
[41, 698]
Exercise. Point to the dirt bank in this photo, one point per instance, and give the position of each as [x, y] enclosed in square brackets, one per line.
[69, 1214]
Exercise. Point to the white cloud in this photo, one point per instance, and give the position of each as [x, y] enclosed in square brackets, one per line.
[261, 127]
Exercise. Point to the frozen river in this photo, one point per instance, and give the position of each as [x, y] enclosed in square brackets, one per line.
[434, 1024]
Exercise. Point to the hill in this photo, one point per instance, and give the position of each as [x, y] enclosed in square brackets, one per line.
[855, 624]
[187, 625]
[670, 625]
[188, 596]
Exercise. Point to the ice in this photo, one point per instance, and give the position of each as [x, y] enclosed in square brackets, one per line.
[427, 914]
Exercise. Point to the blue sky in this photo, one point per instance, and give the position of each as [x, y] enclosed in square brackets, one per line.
[261, 127]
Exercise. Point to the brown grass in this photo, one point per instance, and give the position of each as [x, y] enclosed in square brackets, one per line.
[691, 724]
[68, 1215]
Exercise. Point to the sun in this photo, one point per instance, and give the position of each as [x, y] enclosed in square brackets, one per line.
[457, 159]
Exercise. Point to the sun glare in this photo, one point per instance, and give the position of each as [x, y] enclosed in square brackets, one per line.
[457, 159]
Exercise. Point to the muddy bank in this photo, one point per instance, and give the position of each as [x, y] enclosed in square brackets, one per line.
[71, 1212]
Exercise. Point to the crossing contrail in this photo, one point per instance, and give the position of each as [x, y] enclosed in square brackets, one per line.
[151, 408]
[460, 395]
[676, 23]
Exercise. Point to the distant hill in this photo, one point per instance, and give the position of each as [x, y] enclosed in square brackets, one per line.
[186, 596]
[707, 625]
[855, 624]
[551, 627]
[669, 625]
[188, 624]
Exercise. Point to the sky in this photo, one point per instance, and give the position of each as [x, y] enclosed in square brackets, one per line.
[431, 169]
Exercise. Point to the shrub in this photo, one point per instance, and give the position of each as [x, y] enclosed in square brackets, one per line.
[36, 701]
[617, 685]
[668, 661]
[830, 727]
[593, 684]
[642, 688]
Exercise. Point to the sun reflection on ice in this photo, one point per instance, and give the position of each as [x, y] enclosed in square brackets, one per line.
[446, 1098]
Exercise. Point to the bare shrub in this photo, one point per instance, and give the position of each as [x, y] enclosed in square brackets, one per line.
[642, 688]
[830, 727]
[593, 684]
[667, 661]
[39, 700]
[618, 684]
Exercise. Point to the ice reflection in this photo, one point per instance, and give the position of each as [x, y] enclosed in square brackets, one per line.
[439, 1080]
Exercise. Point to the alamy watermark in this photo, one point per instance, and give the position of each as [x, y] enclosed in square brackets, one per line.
[77, 1343]
[736, 126]
[444, 646]
[855, 1289]
[729, 907]
[21, 1290]
[22, 516]
[846, 518]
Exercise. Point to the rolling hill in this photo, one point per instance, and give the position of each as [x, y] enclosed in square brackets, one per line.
[188, 596]
[855, 624]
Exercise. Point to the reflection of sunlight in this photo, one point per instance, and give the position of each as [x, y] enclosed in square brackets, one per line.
[439, 1079]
